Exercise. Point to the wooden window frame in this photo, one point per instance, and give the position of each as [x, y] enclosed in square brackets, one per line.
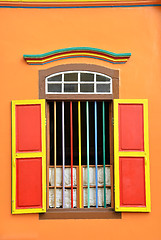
[81, 213]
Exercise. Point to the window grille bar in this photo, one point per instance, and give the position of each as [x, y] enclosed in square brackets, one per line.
[71, 146]
[78, 82]
[79, 140]
[87, 122]
[63, 150]
[94, 83]
[104, 173]
[54, 154]
[95, 111]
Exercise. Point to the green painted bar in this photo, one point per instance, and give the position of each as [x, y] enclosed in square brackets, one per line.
[87, 122]
[104, 174]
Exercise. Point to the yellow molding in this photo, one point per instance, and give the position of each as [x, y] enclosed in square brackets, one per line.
[144, 154]
[131, 154]
[28, 155]
[132, 209]
[146, 148]
[13, 159]
[29, 210]
[116, 158]
[24, 102]
[129, 101]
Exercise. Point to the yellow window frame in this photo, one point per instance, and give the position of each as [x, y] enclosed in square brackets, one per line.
[29, 155]
[144, 154]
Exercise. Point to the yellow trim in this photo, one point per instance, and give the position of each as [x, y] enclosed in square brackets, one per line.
[29, 210]
[24, 102]
[79, 136]
[146, 149]
[28, 155]
[144, 154]
[131, 154]
[13, 159]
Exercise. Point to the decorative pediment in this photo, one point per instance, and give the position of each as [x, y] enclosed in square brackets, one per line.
[77, 52]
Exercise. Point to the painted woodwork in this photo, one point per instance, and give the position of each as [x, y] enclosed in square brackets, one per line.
[96, 157]
[75, 52]
[80, 163]
[44, 4]
[28, 156]
[28, 183]
[63, 153]
[104, 173]
[87, 124]
[95, 176]
[131, 160]
[55, 152]
[71, 150]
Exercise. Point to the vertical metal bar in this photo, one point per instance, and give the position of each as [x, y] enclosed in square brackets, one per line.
[87, 123]
[79, 140]
[71, 147]
[55, 154]
[63, 150]
[95, 111]
[104, 173]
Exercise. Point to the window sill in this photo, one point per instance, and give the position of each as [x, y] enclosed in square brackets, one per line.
[80, 213]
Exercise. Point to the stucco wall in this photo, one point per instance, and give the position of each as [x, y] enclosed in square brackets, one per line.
[35, 31]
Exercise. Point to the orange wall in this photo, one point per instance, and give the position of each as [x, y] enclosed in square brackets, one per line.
[35, 31]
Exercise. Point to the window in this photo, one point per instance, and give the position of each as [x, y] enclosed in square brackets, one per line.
[89, 195]
[79, 142]
[78, 82]
[80, 114]
[79, 155]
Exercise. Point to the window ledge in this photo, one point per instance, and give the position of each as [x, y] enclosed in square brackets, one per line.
[80, 213]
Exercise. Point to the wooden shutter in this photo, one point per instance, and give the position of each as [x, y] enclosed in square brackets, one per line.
[131, 156]
[28, 157]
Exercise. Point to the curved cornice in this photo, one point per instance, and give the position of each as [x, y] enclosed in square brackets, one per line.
[77, 52]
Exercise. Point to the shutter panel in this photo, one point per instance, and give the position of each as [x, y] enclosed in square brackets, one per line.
[131, 156]
[28, 157]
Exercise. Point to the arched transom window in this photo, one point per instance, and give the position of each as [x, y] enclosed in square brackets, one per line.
[78, 82]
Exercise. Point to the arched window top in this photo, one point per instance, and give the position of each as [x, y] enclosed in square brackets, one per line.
[78, 82]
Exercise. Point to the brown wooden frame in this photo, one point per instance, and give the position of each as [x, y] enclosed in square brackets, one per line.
[114, 74]
[92, 213]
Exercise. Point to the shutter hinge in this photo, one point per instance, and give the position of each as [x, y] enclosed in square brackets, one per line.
[113, 121]
[45, 121]
[114, 188]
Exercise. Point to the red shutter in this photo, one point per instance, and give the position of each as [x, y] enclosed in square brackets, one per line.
[132, 190]
[28, 156]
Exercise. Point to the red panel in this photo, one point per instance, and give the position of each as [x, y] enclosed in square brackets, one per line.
[131, 127]
[28, 128]
[132, 182]
[29, 183]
